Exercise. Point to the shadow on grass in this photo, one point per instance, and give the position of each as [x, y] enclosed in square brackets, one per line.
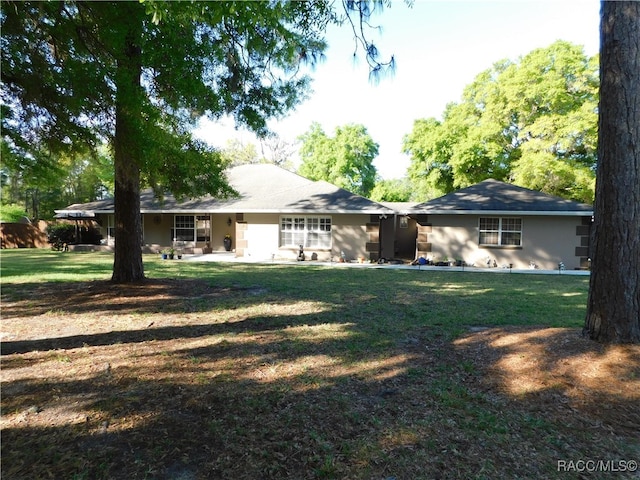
[562, 371]
[318, 374]
[255, 408]
[257, 324]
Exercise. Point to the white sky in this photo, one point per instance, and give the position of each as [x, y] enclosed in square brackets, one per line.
[439, 47]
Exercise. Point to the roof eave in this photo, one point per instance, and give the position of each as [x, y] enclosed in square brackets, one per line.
[249, 210]
[528, 213]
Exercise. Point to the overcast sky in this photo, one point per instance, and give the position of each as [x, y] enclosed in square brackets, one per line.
[439, 47]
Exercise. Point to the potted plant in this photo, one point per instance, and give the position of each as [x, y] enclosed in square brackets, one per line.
[168, 252]
[227, 242]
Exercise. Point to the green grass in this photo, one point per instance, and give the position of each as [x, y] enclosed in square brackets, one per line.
[44, 265]
[287, 371]
[396, 298]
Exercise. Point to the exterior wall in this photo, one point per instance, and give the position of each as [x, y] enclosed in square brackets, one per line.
[157, 231]
[546, 241]
[258, 237]
[101, 225]
[349, 234]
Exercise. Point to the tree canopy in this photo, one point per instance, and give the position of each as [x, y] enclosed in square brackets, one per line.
[394, 190]
[345, 160]
[532, 122]
[138, 75]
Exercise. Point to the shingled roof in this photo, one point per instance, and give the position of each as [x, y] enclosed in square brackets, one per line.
[262, 188]
[499, 198]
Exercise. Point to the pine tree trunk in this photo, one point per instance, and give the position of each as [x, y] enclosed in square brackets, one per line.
[613, 308]
[127, 265]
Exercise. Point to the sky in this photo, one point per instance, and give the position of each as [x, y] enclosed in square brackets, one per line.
[439, 48]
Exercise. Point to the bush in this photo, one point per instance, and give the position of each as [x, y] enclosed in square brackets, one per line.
[61, 233]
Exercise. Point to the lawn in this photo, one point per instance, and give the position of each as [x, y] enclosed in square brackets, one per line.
[244, 371]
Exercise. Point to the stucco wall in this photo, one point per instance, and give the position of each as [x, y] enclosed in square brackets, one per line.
[350, 236]
[157, 228]
[257, 235]
[259, 238]
[546, 241]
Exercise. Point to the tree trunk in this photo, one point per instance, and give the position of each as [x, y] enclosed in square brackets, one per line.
[613, 308]
[127, 264]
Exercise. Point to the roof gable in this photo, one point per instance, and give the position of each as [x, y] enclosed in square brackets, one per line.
[495, 196]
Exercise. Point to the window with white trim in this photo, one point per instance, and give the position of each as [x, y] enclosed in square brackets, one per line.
[184, 228]
[499, 231]
[311, 232]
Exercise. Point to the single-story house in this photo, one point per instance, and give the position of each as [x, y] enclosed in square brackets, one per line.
[494, 223]
[276, 212]
[491, 223]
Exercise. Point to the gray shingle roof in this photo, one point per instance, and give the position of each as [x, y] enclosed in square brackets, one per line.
[501, 198]
[262, 188]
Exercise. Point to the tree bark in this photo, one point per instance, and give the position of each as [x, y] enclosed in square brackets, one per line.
[127, 264]
[613, 308]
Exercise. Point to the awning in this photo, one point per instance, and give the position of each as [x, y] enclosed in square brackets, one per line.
[74, 215]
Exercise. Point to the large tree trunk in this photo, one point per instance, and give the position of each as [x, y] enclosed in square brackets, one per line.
[613, 309]
[127, 264]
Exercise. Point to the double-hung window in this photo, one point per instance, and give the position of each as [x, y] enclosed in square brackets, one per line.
[499, 231]
[311, 232]
[184, 228]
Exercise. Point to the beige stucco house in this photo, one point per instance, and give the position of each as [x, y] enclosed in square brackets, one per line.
[275, 212]
[497, 224]
[488, 224]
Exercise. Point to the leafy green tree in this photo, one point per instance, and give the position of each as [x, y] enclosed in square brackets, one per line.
[139, 75]
[12, 212]
[531, 122]
[67, 177]
[31, 183]
[345, 160]
[394, 190]
[613, 306]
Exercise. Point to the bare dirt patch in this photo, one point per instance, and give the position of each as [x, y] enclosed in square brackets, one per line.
[555, 369]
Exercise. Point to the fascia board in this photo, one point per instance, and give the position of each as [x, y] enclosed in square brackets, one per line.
[527, 213]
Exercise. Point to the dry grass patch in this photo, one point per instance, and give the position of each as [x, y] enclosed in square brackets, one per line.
[562, 371]
[301, 373]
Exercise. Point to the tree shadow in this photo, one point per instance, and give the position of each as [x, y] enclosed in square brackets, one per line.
[297, 382]
[562, 370]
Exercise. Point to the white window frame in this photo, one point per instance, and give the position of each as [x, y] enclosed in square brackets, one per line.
[310, 231]
[182, 227]
[506, 228]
